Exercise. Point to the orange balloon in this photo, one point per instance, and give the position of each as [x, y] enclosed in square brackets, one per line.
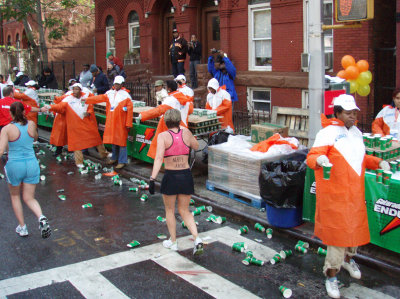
[348, 60]
[341, 74]
[352, 72]
[362, 65]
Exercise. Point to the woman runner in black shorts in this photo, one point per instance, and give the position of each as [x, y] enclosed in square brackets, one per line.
[173, 148]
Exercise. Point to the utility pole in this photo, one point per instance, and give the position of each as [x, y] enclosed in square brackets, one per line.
[316, 75]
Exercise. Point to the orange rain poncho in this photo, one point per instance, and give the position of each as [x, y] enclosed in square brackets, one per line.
[341, 213]
[264, 146]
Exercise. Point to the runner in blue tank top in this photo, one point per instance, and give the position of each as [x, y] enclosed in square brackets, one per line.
[22, 167]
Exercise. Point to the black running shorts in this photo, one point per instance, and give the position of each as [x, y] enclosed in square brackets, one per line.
[177, 182]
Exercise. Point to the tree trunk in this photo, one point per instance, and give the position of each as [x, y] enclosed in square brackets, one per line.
[42, 39]
[34, 46]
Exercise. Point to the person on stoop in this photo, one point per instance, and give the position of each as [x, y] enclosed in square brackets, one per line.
[173, 147]
[119, 117]
[341, 215]
[22, 168]
[82, 130]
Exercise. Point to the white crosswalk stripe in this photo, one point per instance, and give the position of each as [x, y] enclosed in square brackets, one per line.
[87, 279]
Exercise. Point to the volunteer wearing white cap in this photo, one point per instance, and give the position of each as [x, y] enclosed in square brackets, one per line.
[82, 131]
[219, 100]
[183, 88]
[161, 92]
[387, 122]
[341, 215]
[21, 79]
[29, 97]
[119, 109]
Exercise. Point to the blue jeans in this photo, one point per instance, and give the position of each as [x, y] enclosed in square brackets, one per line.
[193, 73]
[119, 153]
[178, 68]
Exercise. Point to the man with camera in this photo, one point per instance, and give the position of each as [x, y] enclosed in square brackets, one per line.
[177, 51]
[222, 69]
[194, 52]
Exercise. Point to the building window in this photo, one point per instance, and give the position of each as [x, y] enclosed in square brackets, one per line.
[305, 99]
[215, 28]
[133, 56]
[110, 34]
[260, 49]
[17, 41]
[259, 99]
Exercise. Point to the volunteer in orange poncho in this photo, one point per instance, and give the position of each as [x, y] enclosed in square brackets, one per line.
[341, 214]
[29, 97]
[82, 131]
[218, 99]
[387, 122]
[175, 100]
[58, 136]
[119, 117]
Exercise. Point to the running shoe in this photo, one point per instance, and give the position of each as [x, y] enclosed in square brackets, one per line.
[170, 245]
[332, 287]
[353, 269]
[22, 231]
[198, 246]
[44, 227]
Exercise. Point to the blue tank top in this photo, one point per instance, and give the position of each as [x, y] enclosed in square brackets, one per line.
[22, 148]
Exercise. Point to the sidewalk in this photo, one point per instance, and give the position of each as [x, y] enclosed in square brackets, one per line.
[370, 254]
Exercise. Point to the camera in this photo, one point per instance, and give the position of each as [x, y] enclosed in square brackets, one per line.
[214, 51]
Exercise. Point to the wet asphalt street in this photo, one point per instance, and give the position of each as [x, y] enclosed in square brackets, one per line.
[87, 254]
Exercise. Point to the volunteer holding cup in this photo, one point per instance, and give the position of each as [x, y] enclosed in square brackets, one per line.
[341, 214]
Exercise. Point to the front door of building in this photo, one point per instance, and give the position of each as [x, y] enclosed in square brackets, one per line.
[169, 25]
[211, 32]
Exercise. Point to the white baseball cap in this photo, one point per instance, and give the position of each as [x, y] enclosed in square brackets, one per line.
[77, 85]
[180, 78]
[15, 68]
[30, 83]
[19, 74]
[345, 101]
[119, 80]
[213, 83]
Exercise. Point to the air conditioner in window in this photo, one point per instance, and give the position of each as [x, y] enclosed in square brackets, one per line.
[305, 57]
[328, 60]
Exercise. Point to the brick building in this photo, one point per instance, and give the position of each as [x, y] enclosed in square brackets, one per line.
[77, 46]
[264, 38]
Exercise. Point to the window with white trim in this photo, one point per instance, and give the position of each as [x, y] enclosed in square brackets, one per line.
[305, 99]
[134, 38]
[259, 99]
[260, 49]
[110, 34]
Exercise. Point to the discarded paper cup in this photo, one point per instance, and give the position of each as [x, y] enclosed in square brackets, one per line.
[161, 236]
[201, 208]
[142, 182]
[220, 220]
[327, 170]
[237, 247]
[243, 230]
[303, 244]
[259, 227]
[300, 248]
[321, 251]
[191, 202]
[287, 293]
[257, 262]
[269, 232]
[241, 244]
[247, 260]
[133, 244]
[276, 259]
[135, 180]
[379, 175]
[212, 218]
[285, 253]
[42, 178]
[60, 190]
[209, 209]
[87, 205]
[2, 176]
[387, 175]
[134, 189]
[196, 212]
[144, 197]
[161, 219]
[183, 224]
[249, 253]
[62, 197]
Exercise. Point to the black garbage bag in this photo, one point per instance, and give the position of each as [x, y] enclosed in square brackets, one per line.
[282, 182]
[217, 138]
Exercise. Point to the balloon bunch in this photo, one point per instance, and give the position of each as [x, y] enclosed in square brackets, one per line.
[357, 74]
